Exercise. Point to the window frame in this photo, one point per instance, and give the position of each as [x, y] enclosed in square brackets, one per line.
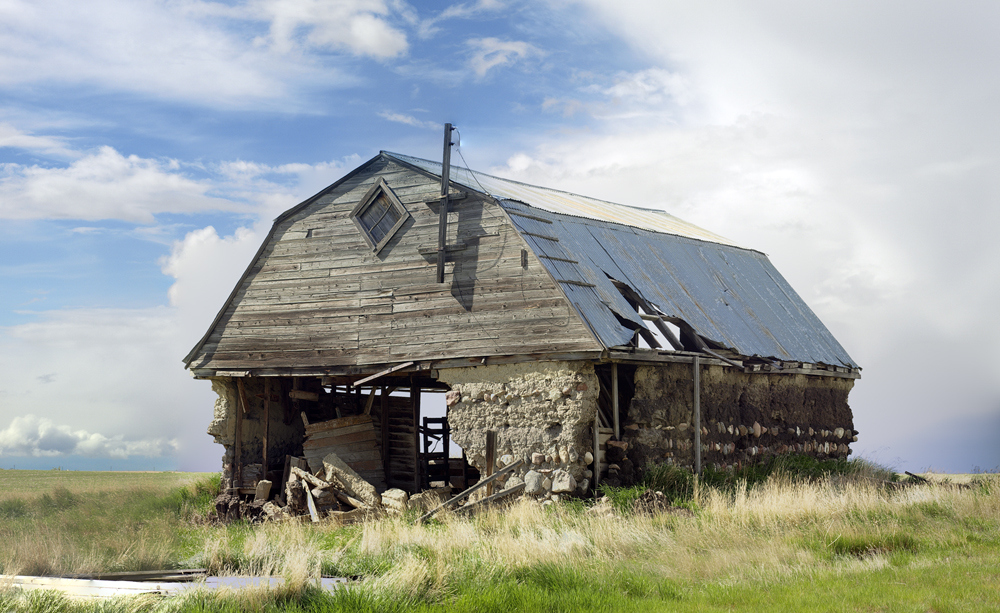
[380, 187]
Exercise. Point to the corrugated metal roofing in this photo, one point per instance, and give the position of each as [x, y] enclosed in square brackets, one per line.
[556, 201]
[728, 294]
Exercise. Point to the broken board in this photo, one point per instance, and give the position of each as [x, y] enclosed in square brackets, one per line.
[354, 439]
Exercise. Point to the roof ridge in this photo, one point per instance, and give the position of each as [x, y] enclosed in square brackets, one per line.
[402, 156]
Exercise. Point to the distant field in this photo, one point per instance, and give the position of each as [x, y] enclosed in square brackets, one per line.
[20, 483]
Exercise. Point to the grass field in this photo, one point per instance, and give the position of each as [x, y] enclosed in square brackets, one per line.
[786, 542]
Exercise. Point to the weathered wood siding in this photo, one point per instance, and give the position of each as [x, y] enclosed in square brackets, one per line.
[317, 296]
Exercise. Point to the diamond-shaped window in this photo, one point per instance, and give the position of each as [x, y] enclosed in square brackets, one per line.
[379, 215]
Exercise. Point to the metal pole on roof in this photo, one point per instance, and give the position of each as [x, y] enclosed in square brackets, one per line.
[443, 218]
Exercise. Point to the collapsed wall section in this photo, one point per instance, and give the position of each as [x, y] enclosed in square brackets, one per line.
[744, 416]
[542, 412]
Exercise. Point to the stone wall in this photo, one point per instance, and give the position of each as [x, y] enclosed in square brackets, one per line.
[743, 415]
[542, 413]
[282, 438]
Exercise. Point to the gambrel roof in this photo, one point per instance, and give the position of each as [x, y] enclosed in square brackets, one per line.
[316, 295]
[728, 294]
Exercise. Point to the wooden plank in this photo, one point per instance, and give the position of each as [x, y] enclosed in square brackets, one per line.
[346, 448]
[387, 371]
[322, 434]
[480, 504]
[313, 514]
[415, 404]
[384, 425]
[333, 424]
[237, 471]
[333, 441]
[465, 494]
[491, 457]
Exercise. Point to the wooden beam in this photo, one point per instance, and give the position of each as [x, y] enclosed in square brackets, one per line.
[238, 452]
[415, 407]
[491, 457]
[597, 450]
[387, 371]
[384, 424]
[465, 494]
[486, 501]
[369, 402]
[303, 395]
[267, 422]
[614, 400]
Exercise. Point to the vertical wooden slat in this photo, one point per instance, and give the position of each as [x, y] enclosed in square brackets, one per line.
[614, 399]
[491, 458]
[415, 406]
[238, 452]
[384, 423]
[597, 450]
[267, 425]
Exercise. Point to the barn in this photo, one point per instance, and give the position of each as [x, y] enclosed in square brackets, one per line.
[584, 337]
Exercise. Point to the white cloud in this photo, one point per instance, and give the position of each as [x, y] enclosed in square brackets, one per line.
[256, 54]
[104, 185]
[30, 435]
[16, 139]
[429, 27]
[409, 120]
[649, 87]
[357, 26]
[488, 53]
[117, 387]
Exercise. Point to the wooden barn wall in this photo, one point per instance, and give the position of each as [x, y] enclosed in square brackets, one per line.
[317, 296]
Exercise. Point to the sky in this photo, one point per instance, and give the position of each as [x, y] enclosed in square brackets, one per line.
[146, 147]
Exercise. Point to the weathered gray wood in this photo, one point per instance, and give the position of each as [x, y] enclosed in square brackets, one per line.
[480, 504]
[465, 494]
[313, 514]
[317, 296]
[387, 371]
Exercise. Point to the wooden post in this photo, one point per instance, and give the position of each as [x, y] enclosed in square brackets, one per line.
[491, 457]
[443, 215]
[614, 399]
[597, 450]
[296, 404]
[384, 425]
[415, 406]
[267, 422]
[238, 452]
[696, 376]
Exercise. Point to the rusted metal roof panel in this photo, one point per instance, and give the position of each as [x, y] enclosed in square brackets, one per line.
[729, 294]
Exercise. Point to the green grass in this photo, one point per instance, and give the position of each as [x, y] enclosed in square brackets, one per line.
[89, 522]
[798, 536]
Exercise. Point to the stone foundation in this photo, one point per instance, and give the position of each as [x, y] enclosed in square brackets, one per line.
[542, 413]
[744, 416]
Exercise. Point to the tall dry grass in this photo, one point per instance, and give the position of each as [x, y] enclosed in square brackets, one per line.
[783, 527]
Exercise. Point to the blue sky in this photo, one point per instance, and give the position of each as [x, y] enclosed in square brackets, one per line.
[146, 146]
